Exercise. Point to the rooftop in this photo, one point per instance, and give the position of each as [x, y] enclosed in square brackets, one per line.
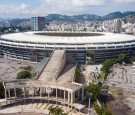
[81, 38]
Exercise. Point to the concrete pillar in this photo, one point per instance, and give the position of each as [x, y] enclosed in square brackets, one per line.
[33, 94]
[48, 92]
[24, 93]
[35, 90]
[5, 94]
[15, 92]
[82, 93]
[72, 97]
[64, 94]
[56, 93]
[40, 92]
[68, 97]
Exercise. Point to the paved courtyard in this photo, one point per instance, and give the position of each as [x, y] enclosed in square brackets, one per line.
[36, 109]
[9, 68]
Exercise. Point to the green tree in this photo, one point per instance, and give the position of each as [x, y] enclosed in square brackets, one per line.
[78, 75]
[106, 65]
[1, 90]
[94, 89]
[56, 111]
[121, 58]
[24, 74]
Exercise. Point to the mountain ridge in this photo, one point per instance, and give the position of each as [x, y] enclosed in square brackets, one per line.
[83, 17]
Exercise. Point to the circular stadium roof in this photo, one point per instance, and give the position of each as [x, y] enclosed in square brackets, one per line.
[89, 38]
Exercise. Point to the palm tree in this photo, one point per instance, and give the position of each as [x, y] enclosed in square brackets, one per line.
[59, 111]
[56, 111]
[51, 110]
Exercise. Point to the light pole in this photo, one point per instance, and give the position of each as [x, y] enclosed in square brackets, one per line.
[89, 107]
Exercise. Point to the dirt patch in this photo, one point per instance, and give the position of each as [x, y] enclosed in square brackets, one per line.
[120, 102]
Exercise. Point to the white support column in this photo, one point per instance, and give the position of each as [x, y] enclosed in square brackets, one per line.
[5, 93]
[40, 92]
[9, 93]
[15, 92]
[33, 94]
[68, 97]
[56, 93]
[72, 97]
[24, 93]
[48, 92]
[82, 93]
[64, 94]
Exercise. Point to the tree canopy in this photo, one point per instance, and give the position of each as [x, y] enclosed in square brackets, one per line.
[94, 89]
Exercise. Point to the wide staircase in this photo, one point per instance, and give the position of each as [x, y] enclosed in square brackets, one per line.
[54, 66]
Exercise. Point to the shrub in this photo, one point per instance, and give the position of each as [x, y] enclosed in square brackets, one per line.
[24, 74]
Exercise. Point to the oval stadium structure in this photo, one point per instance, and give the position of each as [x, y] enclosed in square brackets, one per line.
[80, 48]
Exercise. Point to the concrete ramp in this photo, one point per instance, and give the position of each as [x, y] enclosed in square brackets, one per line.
[67, 74]
[54, 66]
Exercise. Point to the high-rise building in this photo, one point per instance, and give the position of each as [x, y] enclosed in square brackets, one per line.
[117, 25]
[37, 23]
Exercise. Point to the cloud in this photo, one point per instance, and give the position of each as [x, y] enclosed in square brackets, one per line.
[124, 1]
[84, 3]
[13, 9]
[67, 6]
[46, 7]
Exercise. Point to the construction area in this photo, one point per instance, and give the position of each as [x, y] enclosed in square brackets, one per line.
[121, 81]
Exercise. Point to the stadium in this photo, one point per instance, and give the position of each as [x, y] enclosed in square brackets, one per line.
[58, 54]
[81, 48]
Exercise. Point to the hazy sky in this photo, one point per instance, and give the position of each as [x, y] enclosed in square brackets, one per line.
[28, 8]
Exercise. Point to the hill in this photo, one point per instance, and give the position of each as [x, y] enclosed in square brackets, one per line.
[115, 15]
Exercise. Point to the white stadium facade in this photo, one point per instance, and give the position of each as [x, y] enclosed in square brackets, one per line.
[81, 48]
